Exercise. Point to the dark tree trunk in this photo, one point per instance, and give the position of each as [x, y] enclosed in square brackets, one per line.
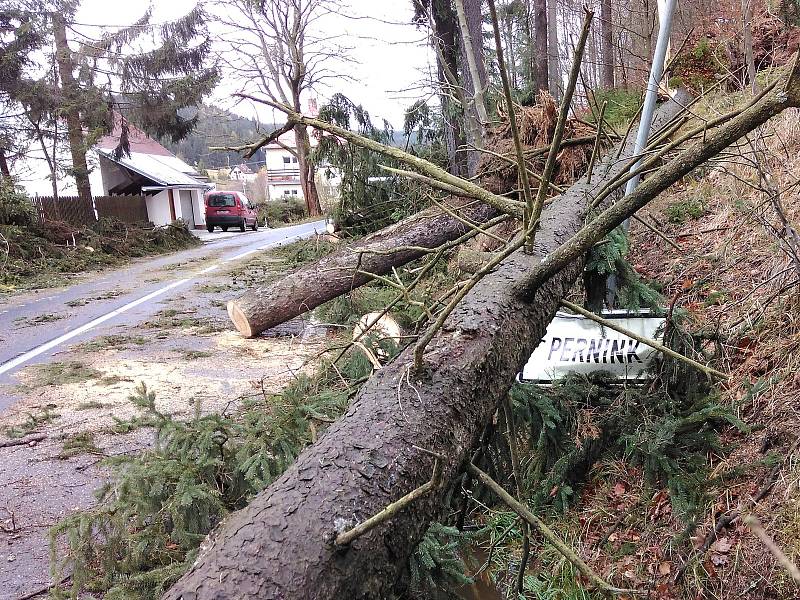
[540, 28]
[71, 91]
[607, 41]
[304, 290]
[4, 172]
[445, 27]
[281, 545]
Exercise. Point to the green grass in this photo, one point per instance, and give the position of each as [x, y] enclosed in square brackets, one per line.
[81, 443]
[109, 342]
[60, 373]
[33, 422]
[90, 405]
[680, 212]
[194, 354]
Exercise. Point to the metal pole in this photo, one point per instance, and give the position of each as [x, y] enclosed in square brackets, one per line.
[656, 72]
[646, 121]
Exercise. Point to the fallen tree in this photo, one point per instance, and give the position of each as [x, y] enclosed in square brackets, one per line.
[282, 544]
[337, 274]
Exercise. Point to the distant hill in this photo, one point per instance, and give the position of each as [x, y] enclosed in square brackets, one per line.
[217, 127]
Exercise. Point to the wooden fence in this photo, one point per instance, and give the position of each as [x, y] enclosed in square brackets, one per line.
[129, 209]
[75, 211]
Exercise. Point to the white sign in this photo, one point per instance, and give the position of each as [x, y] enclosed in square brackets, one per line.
[573, 343]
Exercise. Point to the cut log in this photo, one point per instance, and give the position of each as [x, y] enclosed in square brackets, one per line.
[334, 275]
[281, 546]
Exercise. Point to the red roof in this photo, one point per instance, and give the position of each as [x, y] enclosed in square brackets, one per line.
[139, 141]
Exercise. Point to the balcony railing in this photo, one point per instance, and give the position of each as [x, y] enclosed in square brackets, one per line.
[283, 175]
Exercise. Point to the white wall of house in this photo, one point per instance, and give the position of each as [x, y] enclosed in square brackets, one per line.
[278, 191]
[276, 158]
[158, 208]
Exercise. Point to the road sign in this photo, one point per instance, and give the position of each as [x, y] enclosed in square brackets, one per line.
[573, 343]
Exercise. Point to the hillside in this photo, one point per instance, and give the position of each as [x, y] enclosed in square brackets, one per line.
[217, 127]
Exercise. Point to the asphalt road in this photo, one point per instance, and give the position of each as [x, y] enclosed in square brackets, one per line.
[35, 325]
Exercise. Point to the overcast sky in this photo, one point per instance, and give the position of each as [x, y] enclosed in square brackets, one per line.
[390, 60]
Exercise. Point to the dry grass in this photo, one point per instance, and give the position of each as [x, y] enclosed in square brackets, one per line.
[738, 283]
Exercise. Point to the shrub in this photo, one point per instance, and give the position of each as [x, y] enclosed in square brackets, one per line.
[15, 206]
[682, 211]
[282, 210]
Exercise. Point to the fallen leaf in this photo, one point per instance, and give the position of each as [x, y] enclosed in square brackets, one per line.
[619, 489]
[718, 559]
[664, 568]
[722, 545]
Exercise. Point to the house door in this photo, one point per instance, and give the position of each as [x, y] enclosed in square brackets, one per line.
[187, 212]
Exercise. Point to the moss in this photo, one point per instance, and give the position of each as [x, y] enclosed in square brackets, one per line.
[622, 106]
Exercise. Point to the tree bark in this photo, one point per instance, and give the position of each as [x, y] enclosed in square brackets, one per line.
[540, 29]
[306, 167]
[4, 172]
[474, 77]
[607, 40]
[304, 290]
[553, 58]
[77, 143]
[747, 41]
[281, 545]
[444, 26]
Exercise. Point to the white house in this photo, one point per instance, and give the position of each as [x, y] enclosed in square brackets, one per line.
[242, 172]
[172, 188]
[283, 171]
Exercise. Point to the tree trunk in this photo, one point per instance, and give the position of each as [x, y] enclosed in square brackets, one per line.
[747, 40]
[304, 290]
[444, 26]
[306, 167]
[540, 17]
[553, 58]
[71, 108]
[607, 54]
[4, 172]
[281, 545]
[474, 77]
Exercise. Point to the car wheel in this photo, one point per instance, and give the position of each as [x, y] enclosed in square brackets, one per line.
[224, 227]
[210, 228]
[242, 225]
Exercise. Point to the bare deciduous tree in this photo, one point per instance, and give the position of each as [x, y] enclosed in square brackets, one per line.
[272, 49]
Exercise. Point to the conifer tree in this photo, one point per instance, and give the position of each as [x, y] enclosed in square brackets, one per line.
[144, 73]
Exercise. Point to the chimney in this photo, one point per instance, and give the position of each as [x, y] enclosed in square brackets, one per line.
[313, 111]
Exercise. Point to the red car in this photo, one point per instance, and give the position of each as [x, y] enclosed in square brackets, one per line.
[229, 209]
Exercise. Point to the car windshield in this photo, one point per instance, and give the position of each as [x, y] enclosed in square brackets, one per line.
[222, 200]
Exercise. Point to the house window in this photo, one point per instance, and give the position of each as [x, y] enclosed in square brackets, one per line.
[287, 160]
[294, 159]
[294, 192]
[286, 192]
